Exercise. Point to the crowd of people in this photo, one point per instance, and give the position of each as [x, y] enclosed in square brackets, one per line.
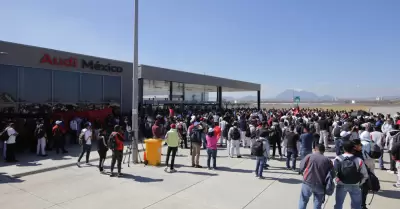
[357, 138]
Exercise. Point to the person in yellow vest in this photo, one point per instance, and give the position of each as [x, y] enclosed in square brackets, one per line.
[172, 139]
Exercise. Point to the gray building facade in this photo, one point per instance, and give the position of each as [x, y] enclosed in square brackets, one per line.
[31, 74]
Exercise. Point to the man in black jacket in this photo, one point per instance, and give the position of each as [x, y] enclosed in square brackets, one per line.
[291, 138]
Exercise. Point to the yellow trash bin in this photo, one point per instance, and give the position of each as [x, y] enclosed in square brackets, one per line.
[153, 151]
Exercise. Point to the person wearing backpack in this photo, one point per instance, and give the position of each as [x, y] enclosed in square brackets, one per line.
[351, 173]
[315, 168]
[85, 140]
[234, 135]
[379, 140]
[196, 136]
[10, 143]
[392, 137]
[275, 139]
[40, 135]
[116, 144]
[259, 149]
[59, 138]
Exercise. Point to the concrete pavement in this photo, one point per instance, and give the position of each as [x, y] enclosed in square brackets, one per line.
[232, 186]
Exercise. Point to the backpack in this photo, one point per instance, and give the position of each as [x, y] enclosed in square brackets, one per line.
[373, 184]
[4, 135]
[257, 149]
[273, 134]
[375, 152]
[226, 130]
[39, 133]
[248, 134]
[253, 134]
[81, 137]
[195, 136]
[347, 170]
[112, 142]
[336, 131]
[235, 135]
[329, 185]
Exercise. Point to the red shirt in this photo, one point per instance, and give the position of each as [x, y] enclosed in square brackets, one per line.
[119, 141]
[217, 131]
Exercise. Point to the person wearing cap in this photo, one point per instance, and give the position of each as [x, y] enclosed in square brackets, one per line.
[212, 140]
[86, 143]
[172, 139]
[59, 137]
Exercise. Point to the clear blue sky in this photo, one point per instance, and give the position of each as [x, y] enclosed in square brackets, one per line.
[342, 47]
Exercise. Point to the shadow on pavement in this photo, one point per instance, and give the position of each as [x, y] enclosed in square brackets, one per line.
[199, 173]
[4, 179]
[141, 179]
[235, 170]
[393, 194]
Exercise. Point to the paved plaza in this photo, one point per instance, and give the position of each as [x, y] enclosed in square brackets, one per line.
[232, 186]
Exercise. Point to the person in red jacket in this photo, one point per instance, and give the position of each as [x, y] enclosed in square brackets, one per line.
[116, 144]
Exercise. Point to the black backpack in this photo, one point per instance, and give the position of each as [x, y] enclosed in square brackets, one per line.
[248, 134]
[273, 134]
[336, 131]
[257, 149]
[347, 170]
[235, 134]
[112, 141]
[195, 136]
[39, 133]
[253, 134]
[4, 135]
[375, 152]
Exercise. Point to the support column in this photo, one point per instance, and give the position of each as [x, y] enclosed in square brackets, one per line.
[170, 91]
[219, 96]
[183, 92]
[140, 97]
[258, 100]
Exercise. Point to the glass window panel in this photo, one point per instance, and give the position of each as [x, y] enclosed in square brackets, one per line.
[199, 93]
[66, 87]
[8, 83]
[91, 88]
[112, 89]
[155, 89]
[35, 85]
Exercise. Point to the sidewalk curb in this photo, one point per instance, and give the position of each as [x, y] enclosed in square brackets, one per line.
[43, 170]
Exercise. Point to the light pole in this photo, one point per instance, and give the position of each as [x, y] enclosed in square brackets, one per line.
[135, 87]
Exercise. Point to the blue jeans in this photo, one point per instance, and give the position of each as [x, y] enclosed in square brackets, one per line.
[307, 191]
[212, 153]
[355, 196]
[381, 160]
[338, 144]
[291, 154]
[260, 161]
[304, 153]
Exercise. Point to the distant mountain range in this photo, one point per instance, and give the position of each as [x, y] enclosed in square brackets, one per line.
[288, 95]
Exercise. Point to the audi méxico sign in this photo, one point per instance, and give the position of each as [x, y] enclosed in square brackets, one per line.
[74, 62]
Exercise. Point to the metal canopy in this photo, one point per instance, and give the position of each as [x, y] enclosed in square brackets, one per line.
[163, 74]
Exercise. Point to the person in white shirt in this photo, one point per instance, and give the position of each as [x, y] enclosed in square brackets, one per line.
[86, 135]
[10, 152]
[73, 124]
[223, 137]
[379, 140]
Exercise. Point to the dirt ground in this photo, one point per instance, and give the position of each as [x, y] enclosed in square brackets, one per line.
[375, 108]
